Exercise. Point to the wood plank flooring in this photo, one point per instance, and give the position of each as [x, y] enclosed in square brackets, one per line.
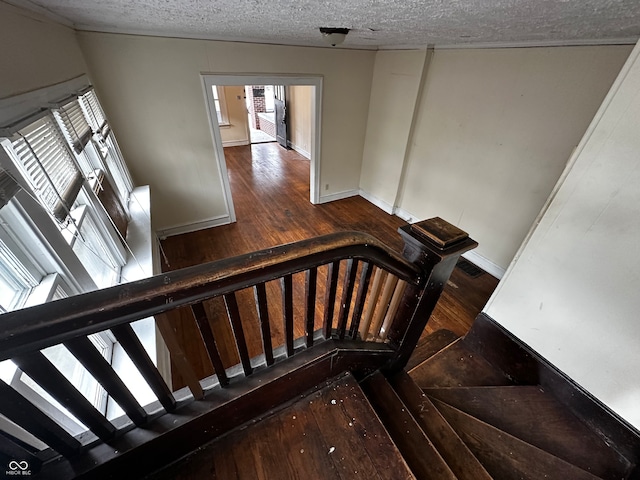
[329, 434]
[270, 188]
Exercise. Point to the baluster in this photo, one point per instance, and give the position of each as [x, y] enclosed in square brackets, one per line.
[383, 304]
[310, 302]
[286, 284]
[347, 293]
[97, 365]
[333, 270]
[200, 315]
[238, 332]
[178, 357]
[138, 355]
[365, 277]
[21, 412]
[393, 308]
[42, 371]
[17, 452]
[371, 304]
[260, 293]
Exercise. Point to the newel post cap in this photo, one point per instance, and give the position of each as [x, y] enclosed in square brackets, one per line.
[433, 240]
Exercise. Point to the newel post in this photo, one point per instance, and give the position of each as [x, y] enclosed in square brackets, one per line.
[435, 246]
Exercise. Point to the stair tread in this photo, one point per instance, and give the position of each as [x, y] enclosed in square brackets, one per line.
[456, 366]
[532, 415]
[506, 456]
[332, 433]
[453, 450]
[416, 447]
[429, 346]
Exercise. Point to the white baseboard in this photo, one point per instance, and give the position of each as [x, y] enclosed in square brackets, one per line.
[485, 264]
[300, 150]
[338, 196]
[406, 216]
[381, 204]
[235, 143]
[194, 226]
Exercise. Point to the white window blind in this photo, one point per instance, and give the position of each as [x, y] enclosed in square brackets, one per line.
[94, 110]
[74, 125]
[48, 165]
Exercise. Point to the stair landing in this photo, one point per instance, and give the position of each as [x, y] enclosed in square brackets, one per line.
[332, 433]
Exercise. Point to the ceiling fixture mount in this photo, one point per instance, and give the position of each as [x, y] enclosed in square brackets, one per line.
[334, 36]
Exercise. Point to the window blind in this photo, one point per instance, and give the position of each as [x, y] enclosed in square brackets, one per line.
[74, 125]
[94, 111]
[48, 165]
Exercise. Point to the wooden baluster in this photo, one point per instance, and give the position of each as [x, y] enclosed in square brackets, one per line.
[21, 412]
[311, 276]
[138, 355]
[200, 315]
[383, 304]
[178, 357]
[97, 365]
[393, 308]
[434, 246]
[361, 296]
[347, 293]
[333, 270]
[42, 371]
[260, 293]
[371, 303]
[286, 284]
[238, 332]
[15, 451]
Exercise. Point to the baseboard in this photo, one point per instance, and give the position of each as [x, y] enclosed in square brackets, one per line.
[406, 216]
[485, 264]
[338, 196]
[235, 143]
[300, 150]
[194, 226]
[381, 204]
[525, 366]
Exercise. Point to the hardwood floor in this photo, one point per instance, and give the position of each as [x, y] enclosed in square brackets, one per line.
[332, 433]
[270, 188]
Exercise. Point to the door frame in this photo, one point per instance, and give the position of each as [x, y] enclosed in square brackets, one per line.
[210, 79]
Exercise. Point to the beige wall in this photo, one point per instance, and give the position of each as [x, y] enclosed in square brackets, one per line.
[494, 131]
[299, 102]
[572, 293]
[237, 132]
[151, 90]
[35, 52]
[397, 77]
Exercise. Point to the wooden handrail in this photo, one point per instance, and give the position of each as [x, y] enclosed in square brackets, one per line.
[391, 326]
[41, 326]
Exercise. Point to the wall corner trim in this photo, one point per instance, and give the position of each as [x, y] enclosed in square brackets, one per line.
[381, 204]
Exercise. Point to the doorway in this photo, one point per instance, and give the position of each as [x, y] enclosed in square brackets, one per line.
[260, 101]
[211, 82]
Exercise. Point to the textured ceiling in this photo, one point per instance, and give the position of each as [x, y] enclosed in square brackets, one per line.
[375, 23]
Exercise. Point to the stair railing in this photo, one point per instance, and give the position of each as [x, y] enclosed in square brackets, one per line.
[391, 310]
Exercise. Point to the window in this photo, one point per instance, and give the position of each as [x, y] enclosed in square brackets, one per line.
[221, 105]
[56, 236]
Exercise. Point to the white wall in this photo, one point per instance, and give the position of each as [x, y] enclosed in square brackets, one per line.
[573, 293]
[152, 93]
[397, 77]
[237, 132]
[299, 101]
[494, 131]
[35, 52]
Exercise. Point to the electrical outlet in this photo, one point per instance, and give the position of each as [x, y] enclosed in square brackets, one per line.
[326, 187]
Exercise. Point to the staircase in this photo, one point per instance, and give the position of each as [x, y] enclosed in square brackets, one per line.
[453, 415]
[457, 416]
